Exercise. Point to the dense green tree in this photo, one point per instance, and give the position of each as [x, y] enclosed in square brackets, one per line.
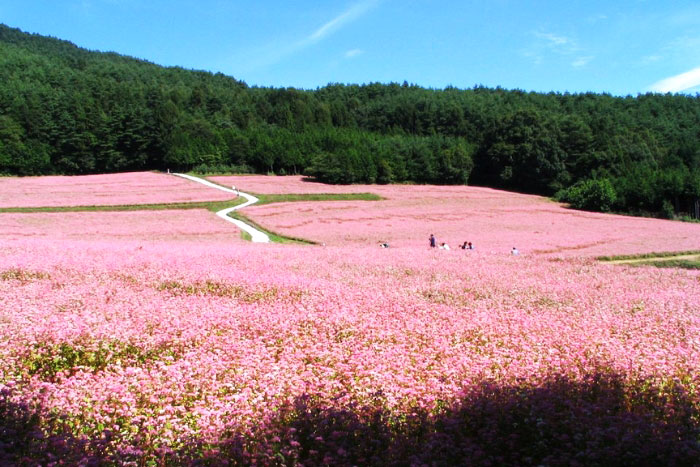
[591, 195]
[525, 154]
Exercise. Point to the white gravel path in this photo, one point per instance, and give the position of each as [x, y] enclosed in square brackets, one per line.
[255, 234]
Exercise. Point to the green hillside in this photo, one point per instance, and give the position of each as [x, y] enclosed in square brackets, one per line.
[67, 110]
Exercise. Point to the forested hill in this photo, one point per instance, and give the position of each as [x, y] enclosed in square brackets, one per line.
[67, 110]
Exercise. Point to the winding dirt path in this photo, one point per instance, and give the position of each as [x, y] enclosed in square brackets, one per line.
[255, 234]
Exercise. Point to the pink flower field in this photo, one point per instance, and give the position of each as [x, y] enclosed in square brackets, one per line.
[103, 190]
[288, 184]
[173, 225]
[156, 338]
[493, 220]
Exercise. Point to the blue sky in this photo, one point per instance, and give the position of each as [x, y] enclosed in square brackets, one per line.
[621, 47]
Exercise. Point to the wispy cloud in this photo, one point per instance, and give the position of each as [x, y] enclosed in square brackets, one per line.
[678, 83]
[339, 21]
[553, 40]
[548, 44]
[353, 53]
[274, 53]
[581, 61]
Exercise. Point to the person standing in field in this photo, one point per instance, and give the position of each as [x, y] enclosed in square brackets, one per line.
[433, 242]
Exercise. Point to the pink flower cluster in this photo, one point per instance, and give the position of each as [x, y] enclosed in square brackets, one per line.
[161, 345]
[172, 225]
[154, 337]
[494, 221]
[103, 190]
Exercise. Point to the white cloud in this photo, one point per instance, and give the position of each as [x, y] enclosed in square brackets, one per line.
[336, 23]
[549, 44]
[553, 39]
[581, 61]
[555, 43]
[678, 83]
[275, 52]
[353, 53]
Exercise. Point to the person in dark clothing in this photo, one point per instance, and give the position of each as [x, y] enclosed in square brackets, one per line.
[433, 242]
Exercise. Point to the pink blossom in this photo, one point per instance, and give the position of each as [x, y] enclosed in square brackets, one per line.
[103, 190]
[166, 329]
[493, 220]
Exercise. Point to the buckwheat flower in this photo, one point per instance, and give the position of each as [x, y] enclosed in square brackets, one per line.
[214, 341]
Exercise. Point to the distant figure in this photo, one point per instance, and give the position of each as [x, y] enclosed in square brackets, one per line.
[464, 245]
[384, 245]
[433, 242]
[470, 246]
[514, 252]
[168, 170]
[235, 190]
[444, 246]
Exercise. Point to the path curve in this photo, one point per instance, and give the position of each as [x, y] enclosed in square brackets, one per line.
[256, 235]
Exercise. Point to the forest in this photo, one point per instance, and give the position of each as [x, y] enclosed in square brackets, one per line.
[68, 110]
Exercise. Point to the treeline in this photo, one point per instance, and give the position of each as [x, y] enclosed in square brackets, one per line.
[66, 110]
